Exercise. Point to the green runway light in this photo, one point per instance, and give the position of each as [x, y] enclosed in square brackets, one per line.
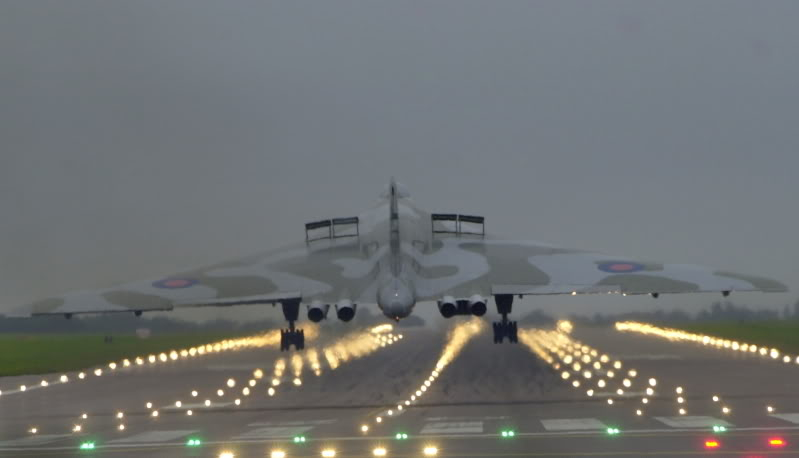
[193, 443]
[613, 431]
[719, 429]
[299, 439]
[400, 436]
[87, 446]
[508, 433]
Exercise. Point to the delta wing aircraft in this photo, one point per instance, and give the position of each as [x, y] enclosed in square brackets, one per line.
[396, 255]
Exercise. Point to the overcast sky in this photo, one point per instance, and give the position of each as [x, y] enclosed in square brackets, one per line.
[141, 138]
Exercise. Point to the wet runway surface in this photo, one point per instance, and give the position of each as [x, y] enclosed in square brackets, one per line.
[587, 392]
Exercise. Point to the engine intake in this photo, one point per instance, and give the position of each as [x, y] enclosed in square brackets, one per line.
[345, 310]
[317, 311]
[477, 305]
[448, 306]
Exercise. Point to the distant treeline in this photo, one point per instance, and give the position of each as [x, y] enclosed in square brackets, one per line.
[719, 311]
[125, 323]
[119, 323]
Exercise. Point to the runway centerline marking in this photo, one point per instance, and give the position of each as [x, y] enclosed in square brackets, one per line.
[573, 424]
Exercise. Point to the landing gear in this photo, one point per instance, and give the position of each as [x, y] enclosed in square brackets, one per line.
[505, 328]
[291, 336]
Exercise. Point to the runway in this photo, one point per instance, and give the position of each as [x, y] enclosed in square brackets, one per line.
[416, 392]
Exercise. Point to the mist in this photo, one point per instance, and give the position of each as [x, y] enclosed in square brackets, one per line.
[143, 138]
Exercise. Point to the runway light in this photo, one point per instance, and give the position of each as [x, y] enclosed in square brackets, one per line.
[364, 428]
[87, 446]
[226, 455]
[719, 429]
[193, 442]
[277, 454]
[725, 410]
[613, 431]
[712, 444]
[430, 451]
[508, 433]
[770, 409]
[33, 430]
[777, 442]
[155, 413]
[400, 436]
[379, 451]
[299, 439]
[328, 453]
[379, 419]
[76, 428]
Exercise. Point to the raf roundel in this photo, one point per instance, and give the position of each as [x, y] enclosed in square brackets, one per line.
[621, 267]
[174, 283]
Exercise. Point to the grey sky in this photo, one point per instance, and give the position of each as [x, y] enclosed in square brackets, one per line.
[141, 138]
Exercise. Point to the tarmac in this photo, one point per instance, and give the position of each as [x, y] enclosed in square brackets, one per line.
[362, 395]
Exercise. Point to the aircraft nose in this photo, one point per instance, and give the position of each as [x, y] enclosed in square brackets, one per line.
[399, 310]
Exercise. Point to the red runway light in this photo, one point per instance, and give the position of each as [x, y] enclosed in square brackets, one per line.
[776, 442]
[711, 443]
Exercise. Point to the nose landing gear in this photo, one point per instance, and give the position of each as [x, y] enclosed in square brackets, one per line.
[505, 328]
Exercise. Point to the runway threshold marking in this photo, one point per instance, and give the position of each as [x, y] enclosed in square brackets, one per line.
[452, 427]
[275, 432]
[150, 437]
[294, 423]
[573, 424]
[692, 421]
[39, 439]
[789, 417]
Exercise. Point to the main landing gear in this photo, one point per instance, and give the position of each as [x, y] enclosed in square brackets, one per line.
[291, 336]
[505, 328]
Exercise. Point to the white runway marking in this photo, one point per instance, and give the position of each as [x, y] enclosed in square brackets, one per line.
[274, 432]
[466, 417]
[453, 427]
[32, 440]
[688, 421]
[573, 424]
[150, 437]
[789, 417]
[294, 423]
[196, 405]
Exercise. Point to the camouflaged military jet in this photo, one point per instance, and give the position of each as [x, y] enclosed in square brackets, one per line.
[396, 255]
